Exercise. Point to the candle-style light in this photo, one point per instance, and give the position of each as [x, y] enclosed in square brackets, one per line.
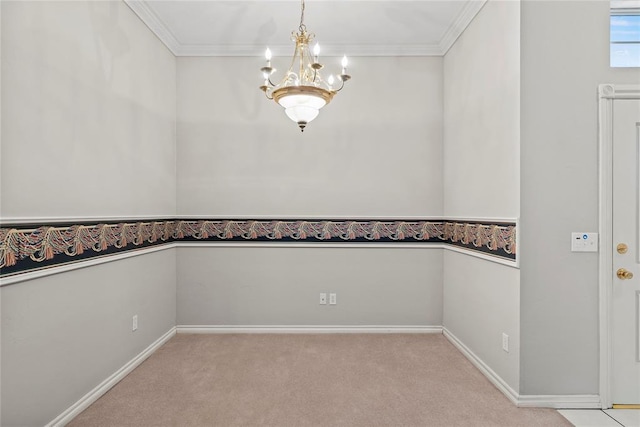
[267, 55]
[344, 76]
[316, 53]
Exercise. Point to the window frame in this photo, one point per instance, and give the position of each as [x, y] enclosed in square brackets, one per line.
[622, 11]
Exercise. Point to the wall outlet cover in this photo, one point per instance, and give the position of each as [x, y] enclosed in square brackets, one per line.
[332, 299]
[505, 342]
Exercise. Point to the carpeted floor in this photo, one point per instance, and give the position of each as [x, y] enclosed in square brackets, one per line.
[309, 380]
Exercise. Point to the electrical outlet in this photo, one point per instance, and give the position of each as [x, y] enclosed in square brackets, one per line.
[323, 298]
[134, 324]
[505, 342]
[332, 299]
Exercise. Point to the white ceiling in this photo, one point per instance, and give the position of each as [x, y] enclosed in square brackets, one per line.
[352, 27]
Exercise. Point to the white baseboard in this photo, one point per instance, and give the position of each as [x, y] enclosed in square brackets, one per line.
[103, 387]
[562, 401]
[306, 329]
[494, 378]
[568, 401]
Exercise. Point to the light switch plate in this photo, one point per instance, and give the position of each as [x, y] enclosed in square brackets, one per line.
[584, 242]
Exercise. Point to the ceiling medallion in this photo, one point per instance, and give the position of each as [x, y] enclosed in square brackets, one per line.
[302, 91]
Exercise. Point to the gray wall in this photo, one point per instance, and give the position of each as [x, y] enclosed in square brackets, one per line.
[365, 154]
[88, 106]
[481, 179]
[281, 286]
[480, 303]
[562, 66]
[64, 334]
[482, 116]
[239, 155]
[88, 129]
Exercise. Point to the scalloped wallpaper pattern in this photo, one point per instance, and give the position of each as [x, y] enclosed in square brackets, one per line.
[28, 248]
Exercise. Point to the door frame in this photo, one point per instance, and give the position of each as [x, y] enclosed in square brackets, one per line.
[607, 94]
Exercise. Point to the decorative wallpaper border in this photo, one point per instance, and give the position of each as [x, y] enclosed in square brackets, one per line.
[25, 248]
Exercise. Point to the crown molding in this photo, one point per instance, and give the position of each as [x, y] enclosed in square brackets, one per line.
[327, 50]
[155, 24]
[159, 28]
[468, 12]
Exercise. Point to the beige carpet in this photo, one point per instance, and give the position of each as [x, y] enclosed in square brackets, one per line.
[309, 380]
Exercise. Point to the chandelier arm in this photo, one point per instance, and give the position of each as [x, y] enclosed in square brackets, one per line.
[293, 64]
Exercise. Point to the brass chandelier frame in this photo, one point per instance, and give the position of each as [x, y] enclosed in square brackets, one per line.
[307, 80]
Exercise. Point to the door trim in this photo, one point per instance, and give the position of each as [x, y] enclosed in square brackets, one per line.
[607, 93]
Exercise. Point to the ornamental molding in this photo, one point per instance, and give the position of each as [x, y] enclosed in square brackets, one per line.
[26, 248]
[151, 19]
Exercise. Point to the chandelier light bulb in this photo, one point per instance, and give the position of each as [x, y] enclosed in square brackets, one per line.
[316, 53]
[345, 62]
[267, 55]
[330, 80]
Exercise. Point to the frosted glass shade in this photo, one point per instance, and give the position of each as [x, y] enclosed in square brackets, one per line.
[302, 108]
[301, 114]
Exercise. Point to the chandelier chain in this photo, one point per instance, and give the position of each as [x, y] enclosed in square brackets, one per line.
[302, 28]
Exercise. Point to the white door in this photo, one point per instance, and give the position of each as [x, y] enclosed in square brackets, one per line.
[625, 292]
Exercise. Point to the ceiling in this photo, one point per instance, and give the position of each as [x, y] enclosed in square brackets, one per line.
[351, 27]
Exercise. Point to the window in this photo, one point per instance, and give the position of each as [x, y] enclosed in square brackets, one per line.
[625, 37]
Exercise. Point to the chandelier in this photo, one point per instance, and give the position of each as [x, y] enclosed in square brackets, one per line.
[302, 92]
